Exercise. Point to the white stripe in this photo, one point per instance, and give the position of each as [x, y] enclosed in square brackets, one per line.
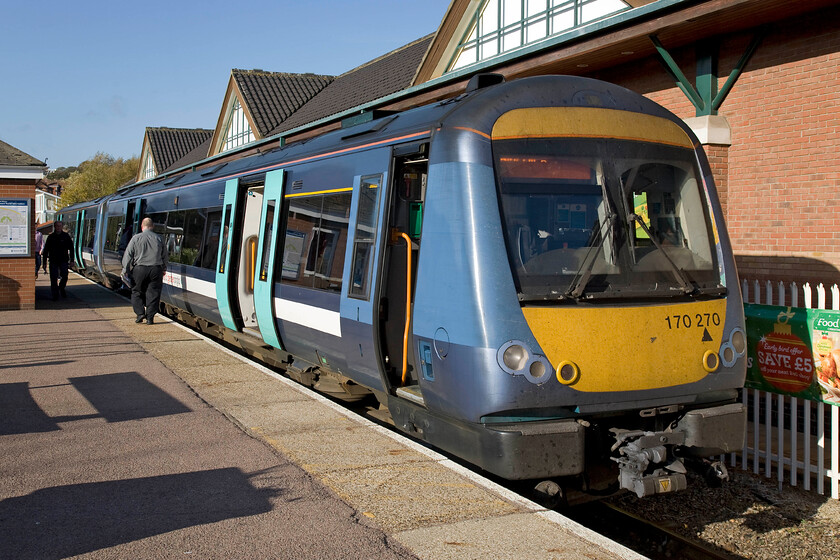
[299, 313]
[190, 284]
[310, 316]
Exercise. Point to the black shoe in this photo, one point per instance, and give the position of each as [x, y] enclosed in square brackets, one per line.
[150, 322]
[139, 319]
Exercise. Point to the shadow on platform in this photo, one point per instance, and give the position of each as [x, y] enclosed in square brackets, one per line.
[65, 521]
[117, 397]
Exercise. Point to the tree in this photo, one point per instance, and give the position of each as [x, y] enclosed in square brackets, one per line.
[99, 176]
[61, 173]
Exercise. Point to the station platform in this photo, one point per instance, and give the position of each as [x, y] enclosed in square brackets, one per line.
[125, 440]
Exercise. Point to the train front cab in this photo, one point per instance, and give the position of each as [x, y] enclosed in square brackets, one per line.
[619, 267]
[615, 333]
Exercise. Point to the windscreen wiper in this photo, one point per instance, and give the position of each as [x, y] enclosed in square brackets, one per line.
[678, 273]
[584, 273]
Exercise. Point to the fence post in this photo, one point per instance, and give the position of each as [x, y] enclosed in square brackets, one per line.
[835, 453]
[794, 448]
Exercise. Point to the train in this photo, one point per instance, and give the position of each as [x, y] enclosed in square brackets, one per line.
[533, 276]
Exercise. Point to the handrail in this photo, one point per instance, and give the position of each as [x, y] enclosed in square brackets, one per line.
[407, 239]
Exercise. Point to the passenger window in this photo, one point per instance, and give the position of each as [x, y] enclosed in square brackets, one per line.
[193, 230]
[210, 248]
[364, 241]
[175, 236]
[316, 241]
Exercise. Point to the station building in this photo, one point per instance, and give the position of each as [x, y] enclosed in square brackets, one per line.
[19, 173]
[757, 80]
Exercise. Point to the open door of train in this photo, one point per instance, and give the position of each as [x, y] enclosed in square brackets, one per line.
[266, 257]
[245, 266]
[399, 273]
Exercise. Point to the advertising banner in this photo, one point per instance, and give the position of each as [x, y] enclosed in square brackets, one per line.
[794, 351]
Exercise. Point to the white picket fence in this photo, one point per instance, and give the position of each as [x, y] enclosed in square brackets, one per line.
[798, 454]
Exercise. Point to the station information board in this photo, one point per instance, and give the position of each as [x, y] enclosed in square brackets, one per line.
[15, 226]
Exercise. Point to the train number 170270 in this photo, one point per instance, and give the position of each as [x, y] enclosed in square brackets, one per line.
[699, 320]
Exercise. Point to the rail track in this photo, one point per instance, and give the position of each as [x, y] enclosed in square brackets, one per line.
[644, 537]
[655, 541]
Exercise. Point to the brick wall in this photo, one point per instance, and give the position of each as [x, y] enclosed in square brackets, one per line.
[17, 275]
[780, 178]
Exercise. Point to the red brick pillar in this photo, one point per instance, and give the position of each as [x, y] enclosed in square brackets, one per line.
[17, 274]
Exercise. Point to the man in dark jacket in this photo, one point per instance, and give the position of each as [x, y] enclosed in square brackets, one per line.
[57, 251]
[145, 259]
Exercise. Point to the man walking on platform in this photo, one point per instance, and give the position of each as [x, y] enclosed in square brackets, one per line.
[146, 259]
[57, 251]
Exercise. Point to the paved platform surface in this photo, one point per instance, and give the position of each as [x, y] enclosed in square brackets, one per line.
[124, 440]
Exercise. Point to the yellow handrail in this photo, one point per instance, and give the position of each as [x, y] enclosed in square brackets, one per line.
[407, 304]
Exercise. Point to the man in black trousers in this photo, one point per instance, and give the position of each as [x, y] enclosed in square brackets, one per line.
[57, 250]
[145, 259]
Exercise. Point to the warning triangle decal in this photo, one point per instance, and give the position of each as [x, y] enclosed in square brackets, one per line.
[706, 336]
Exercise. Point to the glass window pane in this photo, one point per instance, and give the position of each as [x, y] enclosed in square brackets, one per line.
[224, 238]
[365, 236]
[175, 235]
[303, 218]
[210, 249]
[332, 242]
[268, 244]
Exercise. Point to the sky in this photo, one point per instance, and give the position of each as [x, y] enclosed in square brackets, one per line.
[87, 76]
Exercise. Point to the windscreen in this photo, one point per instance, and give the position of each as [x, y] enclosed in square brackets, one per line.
[604, 217]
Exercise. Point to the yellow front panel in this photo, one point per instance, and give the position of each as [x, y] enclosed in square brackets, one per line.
[630, 348]
[588, 122]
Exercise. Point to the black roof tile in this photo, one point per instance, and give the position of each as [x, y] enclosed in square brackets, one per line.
[9, 155]
[272, 97]
[169, 145]
[378, 78]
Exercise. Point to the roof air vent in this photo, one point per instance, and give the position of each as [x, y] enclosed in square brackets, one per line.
[480, 81]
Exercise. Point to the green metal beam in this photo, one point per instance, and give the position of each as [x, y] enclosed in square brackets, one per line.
[736, 72]
[705, 97]
[707, 76]
[679, 78]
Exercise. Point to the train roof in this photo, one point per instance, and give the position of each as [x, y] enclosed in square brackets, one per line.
[496, 97]
[366, 132]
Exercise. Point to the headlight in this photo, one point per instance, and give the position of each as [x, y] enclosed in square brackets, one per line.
[739, 341]
[515, 357]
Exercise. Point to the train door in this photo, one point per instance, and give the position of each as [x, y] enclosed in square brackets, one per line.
[399, 269]
[76, 234]
[235, 274]
[266, 252]
[130, 226]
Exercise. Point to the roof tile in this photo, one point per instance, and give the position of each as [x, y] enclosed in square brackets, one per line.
[383, 76]
[9, 155]
[272, 97]
[169, 145]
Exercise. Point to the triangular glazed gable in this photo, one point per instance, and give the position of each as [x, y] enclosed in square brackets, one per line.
[238, 129]
[475, 31]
